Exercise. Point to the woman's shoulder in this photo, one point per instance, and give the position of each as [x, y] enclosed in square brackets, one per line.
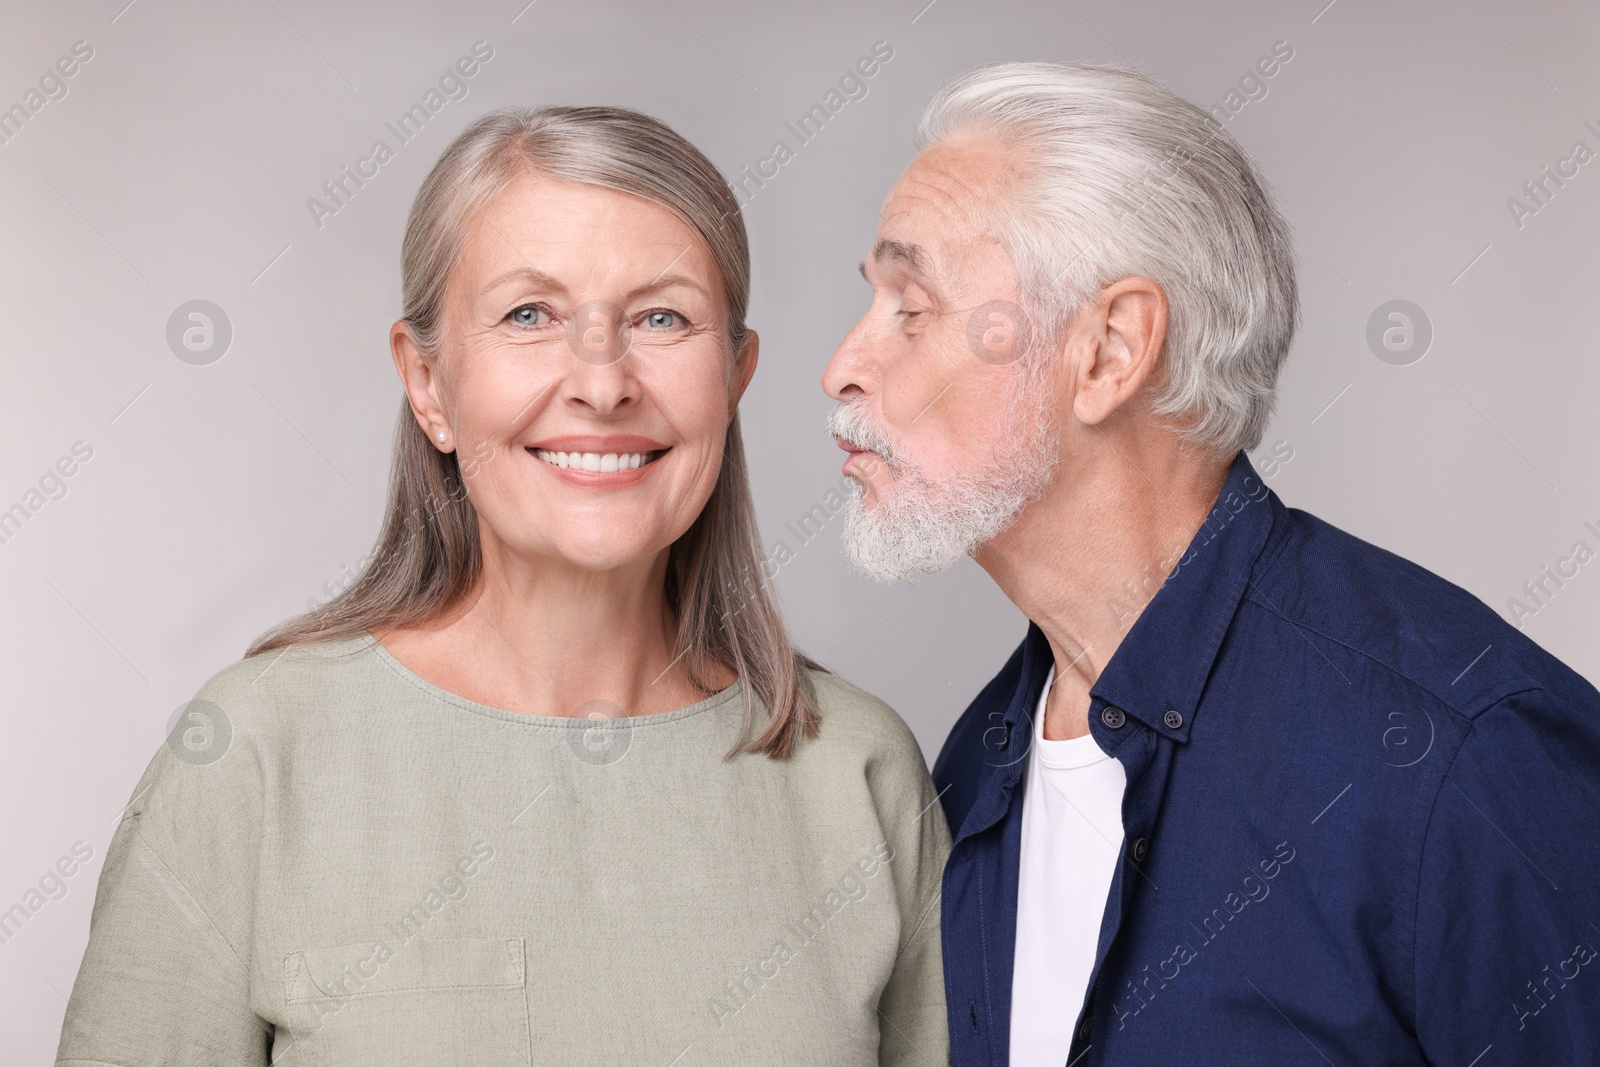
[863, 738]
[252, 693]
[244, 721]
[853, 717]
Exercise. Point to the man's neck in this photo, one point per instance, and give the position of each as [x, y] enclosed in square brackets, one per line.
[1084, 560]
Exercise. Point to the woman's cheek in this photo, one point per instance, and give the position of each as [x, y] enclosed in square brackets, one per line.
[699, 398]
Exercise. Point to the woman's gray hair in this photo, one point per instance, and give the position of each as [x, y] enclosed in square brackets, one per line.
[1118, 176]
[428, 554]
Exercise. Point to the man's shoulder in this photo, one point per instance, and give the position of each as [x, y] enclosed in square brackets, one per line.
[1398, 618]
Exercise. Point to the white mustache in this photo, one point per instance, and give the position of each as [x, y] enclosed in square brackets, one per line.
[850, 422]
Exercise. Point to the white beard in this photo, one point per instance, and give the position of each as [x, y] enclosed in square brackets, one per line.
[919, 527]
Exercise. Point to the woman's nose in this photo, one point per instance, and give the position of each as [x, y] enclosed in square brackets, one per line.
[600, 370]
[599, 334]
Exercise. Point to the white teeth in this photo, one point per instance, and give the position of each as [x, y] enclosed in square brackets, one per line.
[599, 462]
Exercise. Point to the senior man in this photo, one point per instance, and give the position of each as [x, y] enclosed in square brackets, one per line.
[1251, 790]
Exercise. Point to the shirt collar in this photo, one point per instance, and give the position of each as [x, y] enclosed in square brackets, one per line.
[1164, 660]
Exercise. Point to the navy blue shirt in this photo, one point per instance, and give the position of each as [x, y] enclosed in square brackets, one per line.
[1361, 823]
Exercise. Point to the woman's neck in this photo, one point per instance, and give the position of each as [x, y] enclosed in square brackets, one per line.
[548, 638]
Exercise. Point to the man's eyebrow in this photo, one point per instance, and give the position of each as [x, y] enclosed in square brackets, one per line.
[904, 252]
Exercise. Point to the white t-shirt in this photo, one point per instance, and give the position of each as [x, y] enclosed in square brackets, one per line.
[1071, 838]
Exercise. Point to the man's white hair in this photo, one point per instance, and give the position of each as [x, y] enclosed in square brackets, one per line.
[1119, 176]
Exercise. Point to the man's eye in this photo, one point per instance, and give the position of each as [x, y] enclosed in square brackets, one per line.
[662, 319]
[530, 315]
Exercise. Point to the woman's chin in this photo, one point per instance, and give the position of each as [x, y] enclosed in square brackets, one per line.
[602, 554]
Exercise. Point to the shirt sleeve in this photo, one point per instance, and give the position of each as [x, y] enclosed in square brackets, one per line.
[1507, 950]
[165, 979]
[912, 1025]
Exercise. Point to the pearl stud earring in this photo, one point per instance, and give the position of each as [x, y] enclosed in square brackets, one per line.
[441, 436]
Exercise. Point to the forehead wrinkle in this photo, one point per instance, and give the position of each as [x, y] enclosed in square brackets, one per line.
[944, 190]
[609, 205]
[968, 178]
[963, 185]
[456, 287]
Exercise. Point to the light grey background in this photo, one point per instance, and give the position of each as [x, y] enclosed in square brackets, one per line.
[219, 498]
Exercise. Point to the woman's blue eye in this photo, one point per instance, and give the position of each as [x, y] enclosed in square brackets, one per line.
[662, 320]
[528, 315]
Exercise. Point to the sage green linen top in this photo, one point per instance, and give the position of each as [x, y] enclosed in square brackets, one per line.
[333, 861]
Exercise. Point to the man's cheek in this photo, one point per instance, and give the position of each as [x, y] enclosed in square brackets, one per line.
[918, 399]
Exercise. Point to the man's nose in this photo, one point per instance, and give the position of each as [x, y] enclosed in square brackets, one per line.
[851, 371]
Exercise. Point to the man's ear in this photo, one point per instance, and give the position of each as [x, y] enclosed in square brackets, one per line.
[744, 366]
[1120, 345]
[420, 377]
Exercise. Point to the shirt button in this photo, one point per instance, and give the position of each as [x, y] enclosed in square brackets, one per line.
[1086, 1027]
[1113, 717]
[1173, 719]
[1141, 849]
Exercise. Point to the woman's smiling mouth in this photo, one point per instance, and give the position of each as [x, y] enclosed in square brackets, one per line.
[603, 463]
[613, 460]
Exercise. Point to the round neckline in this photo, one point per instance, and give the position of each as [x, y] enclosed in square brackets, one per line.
[560, 722]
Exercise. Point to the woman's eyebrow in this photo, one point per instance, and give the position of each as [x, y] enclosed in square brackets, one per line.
[532, 275]
[667, 281]
[540, 280]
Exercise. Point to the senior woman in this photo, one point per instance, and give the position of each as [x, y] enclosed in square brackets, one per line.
[548, 783]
